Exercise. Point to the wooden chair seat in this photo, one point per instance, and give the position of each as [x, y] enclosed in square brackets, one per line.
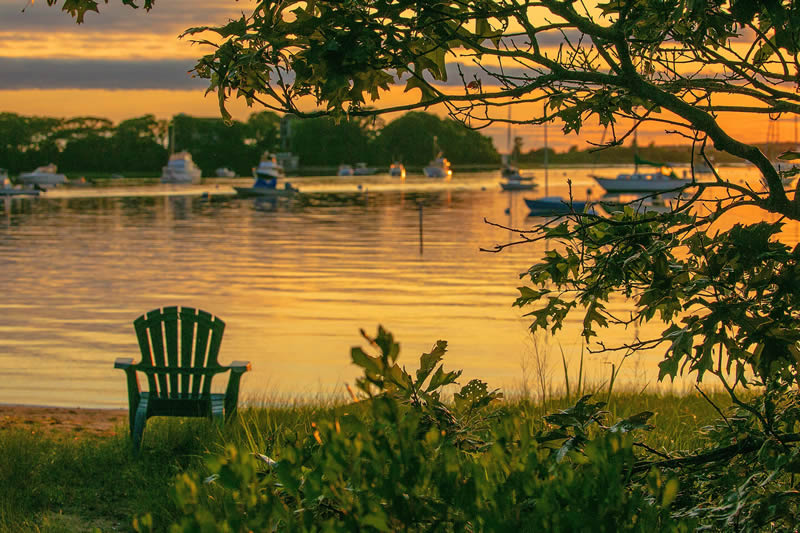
[179, 347]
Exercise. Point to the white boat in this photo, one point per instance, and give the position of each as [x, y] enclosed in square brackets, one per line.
[345, 170]
[664, 179]
[642, 182]
[514, 181]
[46, 176]
[180, 169]
[438, 168]
[266, 176]
[397, 170]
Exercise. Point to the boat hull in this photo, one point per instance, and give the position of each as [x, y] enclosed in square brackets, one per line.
[554, 205]
[41, 179]
[517, 186]
[263, 192]
[640, 183]
[435, 172]
[170, 176]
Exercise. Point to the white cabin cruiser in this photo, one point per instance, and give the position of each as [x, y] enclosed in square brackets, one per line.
[180, 169]
[438, 168]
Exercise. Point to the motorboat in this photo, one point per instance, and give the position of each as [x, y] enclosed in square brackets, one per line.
[7, 189]
[555, 205]
[225, 172]
[46, 176]
[438, 168]
[180, 169]
[268, 169]
[514, 181]
[345, 170]
[266, 176]
[361, 169]
[397, 170]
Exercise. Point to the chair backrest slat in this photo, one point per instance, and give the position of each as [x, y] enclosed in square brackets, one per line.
[155, 326]
[200, 350]
[140, 325]
[188, 321]
[177, 338]
[170, 319]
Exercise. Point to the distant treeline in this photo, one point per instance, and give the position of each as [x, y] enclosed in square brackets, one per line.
[142, 145]
[680, 154]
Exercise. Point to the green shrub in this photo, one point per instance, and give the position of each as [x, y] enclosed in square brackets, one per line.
[402, 459]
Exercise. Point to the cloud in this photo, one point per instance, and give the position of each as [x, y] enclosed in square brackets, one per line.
[168, 16]
[21, 74]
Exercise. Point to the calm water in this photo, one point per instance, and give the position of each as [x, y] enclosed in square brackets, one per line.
[294, 281]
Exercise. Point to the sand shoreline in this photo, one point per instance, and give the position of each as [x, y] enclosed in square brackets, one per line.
[63, 421]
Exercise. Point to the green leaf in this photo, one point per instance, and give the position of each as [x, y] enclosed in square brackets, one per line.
[633, 422]
[417, 83]
[442, 378]
[427, 361]
[372, 365]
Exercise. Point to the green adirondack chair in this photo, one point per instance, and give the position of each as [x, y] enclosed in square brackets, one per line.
[179, 358]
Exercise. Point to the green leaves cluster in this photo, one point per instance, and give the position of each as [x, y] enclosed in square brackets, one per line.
[731, 302]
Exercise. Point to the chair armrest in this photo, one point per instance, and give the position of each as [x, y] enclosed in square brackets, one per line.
[240, 366]
[123, 362]
[134, 394]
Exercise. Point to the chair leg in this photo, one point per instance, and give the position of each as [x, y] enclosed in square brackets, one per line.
[138, 427]
[217, 411]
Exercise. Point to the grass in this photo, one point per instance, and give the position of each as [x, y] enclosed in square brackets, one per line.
[54, 484]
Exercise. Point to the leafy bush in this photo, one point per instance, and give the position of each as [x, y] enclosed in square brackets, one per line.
[403, 459]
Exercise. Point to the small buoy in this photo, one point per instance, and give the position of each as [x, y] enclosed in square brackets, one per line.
[359, 186]
[507, 211]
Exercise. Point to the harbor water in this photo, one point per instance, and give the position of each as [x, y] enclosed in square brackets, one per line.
[294, 280]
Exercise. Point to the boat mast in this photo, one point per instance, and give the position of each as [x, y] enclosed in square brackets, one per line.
[546, 155]
[508, 135]
[172, 136]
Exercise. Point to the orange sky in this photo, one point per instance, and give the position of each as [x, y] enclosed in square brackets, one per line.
[125, 63]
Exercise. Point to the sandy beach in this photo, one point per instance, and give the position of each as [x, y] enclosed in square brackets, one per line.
[63, 421]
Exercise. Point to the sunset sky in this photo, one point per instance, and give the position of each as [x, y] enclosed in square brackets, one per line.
[124, 63]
